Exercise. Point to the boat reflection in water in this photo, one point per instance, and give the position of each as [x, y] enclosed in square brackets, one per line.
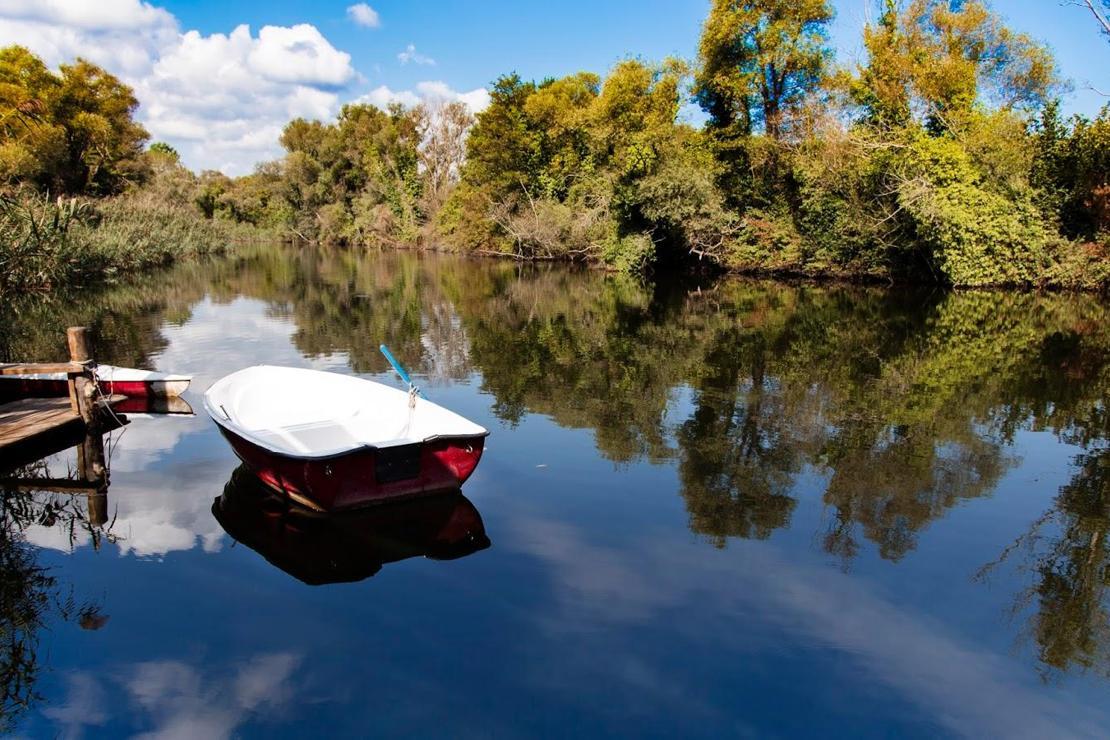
[141, 406]
[319, 548]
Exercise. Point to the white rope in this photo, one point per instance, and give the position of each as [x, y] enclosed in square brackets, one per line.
[100, 394]
[412, 409]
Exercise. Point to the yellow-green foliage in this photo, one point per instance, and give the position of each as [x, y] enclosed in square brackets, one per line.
[919, 164]
[759, 60]
[930, 183]
[937, 59]
[973, 236]
[71, 132]
[356, 181]
[590, 169]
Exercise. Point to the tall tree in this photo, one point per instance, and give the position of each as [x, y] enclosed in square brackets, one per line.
[104, 144]
[938, 58]
[503, 147]
[443, 130]
[31, 144]
[883, 86]
[759, 58]
[72, 132]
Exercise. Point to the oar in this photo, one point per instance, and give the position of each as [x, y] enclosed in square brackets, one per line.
[399, 370]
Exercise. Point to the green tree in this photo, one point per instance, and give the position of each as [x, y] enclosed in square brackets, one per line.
[356, 180]
[503, 148]
[1071, 170]
[759, 59]
[939, 58]
[31, 144]
[72, 132]
[591, 169]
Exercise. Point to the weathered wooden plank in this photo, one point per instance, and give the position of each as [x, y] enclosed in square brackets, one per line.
[32, 428]
[30, 417]
[24, 420]
[27, 368]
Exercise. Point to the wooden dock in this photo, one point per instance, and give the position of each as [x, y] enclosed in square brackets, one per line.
[35, 428]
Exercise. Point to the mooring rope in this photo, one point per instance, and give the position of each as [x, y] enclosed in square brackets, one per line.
[99, 394]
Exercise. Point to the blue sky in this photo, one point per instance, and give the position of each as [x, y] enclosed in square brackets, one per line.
[221, 94]
[473, 42]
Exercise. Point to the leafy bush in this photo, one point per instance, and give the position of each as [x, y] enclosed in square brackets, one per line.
[974, 237]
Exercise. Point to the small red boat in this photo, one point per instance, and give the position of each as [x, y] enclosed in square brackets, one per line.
[319, 548]
[112, 380]
[331, 441]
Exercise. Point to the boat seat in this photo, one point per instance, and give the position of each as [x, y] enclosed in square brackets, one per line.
[304, 438]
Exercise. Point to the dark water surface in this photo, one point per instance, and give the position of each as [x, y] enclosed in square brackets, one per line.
[744, 509]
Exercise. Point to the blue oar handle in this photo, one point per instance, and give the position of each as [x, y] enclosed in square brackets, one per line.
[397, 367]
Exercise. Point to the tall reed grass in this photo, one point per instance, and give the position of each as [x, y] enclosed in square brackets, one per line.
[46, 243]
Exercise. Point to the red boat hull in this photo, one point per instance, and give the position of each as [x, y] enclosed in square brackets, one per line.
[16, 387]
[364, 476]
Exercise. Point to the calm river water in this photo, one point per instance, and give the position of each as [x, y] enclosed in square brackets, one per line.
[734, 508]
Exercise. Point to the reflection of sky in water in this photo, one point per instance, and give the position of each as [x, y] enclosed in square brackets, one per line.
[595, 611]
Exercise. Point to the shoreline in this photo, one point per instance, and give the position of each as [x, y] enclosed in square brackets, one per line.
[791, 276]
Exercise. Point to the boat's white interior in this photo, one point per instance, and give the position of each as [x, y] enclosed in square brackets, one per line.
[309, 413]
[130, 374]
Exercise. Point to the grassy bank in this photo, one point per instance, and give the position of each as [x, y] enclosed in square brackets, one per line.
[46, 243]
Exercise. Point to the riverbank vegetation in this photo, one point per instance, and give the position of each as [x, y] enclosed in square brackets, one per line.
[942, 157]
[81, 199]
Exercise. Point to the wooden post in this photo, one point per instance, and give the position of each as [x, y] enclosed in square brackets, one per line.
[77, 340]
[90, 460]
[82, 388]
[90, 455]
[77, 337]
[98, 509]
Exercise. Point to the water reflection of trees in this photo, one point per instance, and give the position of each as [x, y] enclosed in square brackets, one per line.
[30, 594]
[1071, 625]
[1066, 559]
[903, 403]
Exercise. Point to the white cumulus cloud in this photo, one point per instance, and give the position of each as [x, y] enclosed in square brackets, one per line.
[435, 91]
[299, 54]
[123, 36]
[410, 54]
[220, 99]
[364, 15]
[223, 99]
[382, 96]
[89, 16]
